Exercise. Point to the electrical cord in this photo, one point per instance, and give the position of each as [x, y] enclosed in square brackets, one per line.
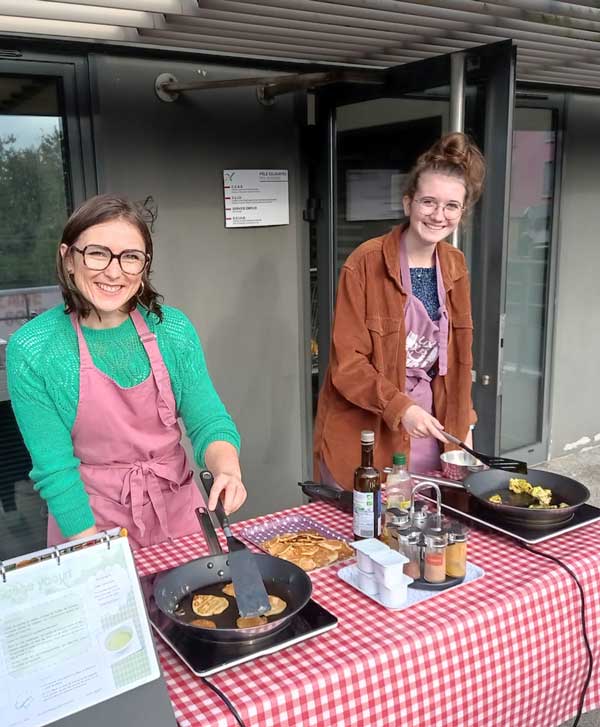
[583, 627]
[226, 700]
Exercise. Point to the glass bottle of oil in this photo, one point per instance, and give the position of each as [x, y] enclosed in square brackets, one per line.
[366, 496]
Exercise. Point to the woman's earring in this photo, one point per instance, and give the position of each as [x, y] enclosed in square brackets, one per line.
[140, 289]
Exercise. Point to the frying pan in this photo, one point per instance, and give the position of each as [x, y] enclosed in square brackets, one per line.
[173, 591]
[482, 485]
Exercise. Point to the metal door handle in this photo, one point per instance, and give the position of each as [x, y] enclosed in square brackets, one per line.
[485, 379]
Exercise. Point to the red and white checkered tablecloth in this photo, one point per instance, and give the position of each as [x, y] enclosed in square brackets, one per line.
[503, 651]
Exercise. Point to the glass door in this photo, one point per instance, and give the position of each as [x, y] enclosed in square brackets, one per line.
[41, 179]
[529, 276]
[369, 137]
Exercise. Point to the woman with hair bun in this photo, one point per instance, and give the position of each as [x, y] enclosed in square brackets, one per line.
[400, 361]
[98, 385]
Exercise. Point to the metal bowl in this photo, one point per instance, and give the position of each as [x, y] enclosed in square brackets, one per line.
[457, 464]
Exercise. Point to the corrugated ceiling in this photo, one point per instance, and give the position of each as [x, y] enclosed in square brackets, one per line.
[558, 42]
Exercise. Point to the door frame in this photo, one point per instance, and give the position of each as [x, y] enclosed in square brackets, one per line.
[498, 62]
[74, 105]
[530, 96]
[74, 91]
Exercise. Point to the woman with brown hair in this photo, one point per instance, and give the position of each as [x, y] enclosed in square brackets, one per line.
[97, 386]
[400, 361]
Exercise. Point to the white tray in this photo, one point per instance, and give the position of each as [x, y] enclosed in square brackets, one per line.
[349, 575]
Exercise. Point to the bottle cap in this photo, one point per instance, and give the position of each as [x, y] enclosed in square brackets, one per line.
[399, 458]
[367, 437]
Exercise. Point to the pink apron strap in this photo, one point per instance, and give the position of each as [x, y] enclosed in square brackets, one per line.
[443, 319]
[404, 268]
[166, 403]
[85, 358]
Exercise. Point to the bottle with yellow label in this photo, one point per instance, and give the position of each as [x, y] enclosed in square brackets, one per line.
[399, 484]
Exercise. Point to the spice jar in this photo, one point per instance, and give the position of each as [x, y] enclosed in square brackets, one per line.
[419, 515]
[397, 520]
[434, 558]
[408, 545]
[456, 552]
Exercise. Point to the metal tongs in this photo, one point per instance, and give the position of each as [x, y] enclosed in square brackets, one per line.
[498, 463]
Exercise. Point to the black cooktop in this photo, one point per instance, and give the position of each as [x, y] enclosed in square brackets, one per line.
[204, 657]
[457, 501]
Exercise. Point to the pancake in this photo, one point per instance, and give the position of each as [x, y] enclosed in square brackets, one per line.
[278, 605]
[250, 621]
[203, 623]
[229, 590]
[207, 605]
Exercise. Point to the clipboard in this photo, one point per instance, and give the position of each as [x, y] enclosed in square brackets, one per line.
[75, 642]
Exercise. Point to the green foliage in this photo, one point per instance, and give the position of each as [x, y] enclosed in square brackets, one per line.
[33, 210]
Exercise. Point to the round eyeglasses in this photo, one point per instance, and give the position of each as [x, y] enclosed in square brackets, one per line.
[428, 205]
[98, 257]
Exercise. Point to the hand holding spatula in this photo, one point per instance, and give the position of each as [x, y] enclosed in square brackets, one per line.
[250, 593]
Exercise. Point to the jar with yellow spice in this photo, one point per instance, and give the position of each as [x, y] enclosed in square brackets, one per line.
[456, 552]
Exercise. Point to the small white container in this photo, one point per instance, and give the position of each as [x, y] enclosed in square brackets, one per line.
[396, 596]
[365, 549]
[388, 568]
[367, 583]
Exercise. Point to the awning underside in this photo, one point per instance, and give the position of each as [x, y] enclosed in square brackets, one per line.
[557, 42]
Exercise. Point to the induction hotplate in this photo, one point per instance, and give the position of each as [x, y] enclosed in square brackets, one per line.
[456, 500]
[204, 657]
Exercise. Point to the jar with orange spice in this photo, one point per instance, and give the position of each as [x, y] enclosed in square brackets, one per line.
[434, 557]
[456, 553]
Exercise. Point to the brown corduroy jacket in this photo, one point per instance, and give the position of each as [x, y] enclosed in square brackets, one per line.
[364, 383]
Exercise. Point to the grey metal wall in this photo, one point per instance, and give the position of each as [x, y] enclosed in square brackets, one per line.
[243, 289]
[575, 402]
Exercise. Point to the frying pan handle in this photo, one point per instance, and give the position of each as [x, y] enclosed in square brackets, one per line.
[208, 480]
[317, 489]
[209, 531]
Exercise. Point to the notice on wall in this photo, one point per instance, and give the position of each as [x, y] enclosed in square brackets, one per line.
[374, 194]
[256, 197]
[73, 633]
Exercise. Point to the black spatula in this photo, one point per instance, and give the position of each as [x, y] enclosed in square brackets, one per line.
[498, 463]
[250, 593]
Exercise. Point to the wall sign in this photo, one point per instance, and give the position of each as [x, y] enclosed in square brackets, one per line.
[374, 194]
[256, 197]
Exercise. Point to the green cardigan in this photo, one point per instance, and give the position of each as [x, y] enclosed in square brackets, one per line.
[43, 381]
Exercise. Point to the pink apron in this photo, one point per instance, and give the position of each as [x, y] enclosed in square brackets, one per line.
[426, 343]
[128, 440]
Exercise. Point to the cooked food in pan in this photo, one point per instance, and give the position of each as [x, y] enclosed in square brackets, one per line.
[278, 605]
[250, 621]
[229, 590]
[207, 605]
[307, 549]
[517, 484]
[531, 496]
[204, 623]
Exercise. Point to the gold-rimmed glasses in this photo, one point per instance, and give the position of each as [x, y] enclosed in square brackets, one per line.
[428, 205]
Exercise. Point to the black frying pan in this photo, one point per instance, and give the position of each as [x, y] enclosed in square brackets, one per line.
[174, 589]
[482, 485]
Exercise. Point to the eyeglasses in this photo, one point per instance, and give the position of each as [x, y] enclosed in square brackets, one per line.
[428, 205]
[98, 257]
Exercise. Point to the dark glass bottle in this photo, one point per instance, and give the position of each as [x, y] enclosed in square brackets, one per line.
[366, 496]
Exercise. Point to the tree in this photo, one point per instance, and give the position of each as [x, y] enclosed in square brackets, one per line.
[33, 210]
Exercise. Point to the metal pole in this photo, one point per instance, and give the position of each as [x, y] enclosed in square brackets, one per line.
[457, 103]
